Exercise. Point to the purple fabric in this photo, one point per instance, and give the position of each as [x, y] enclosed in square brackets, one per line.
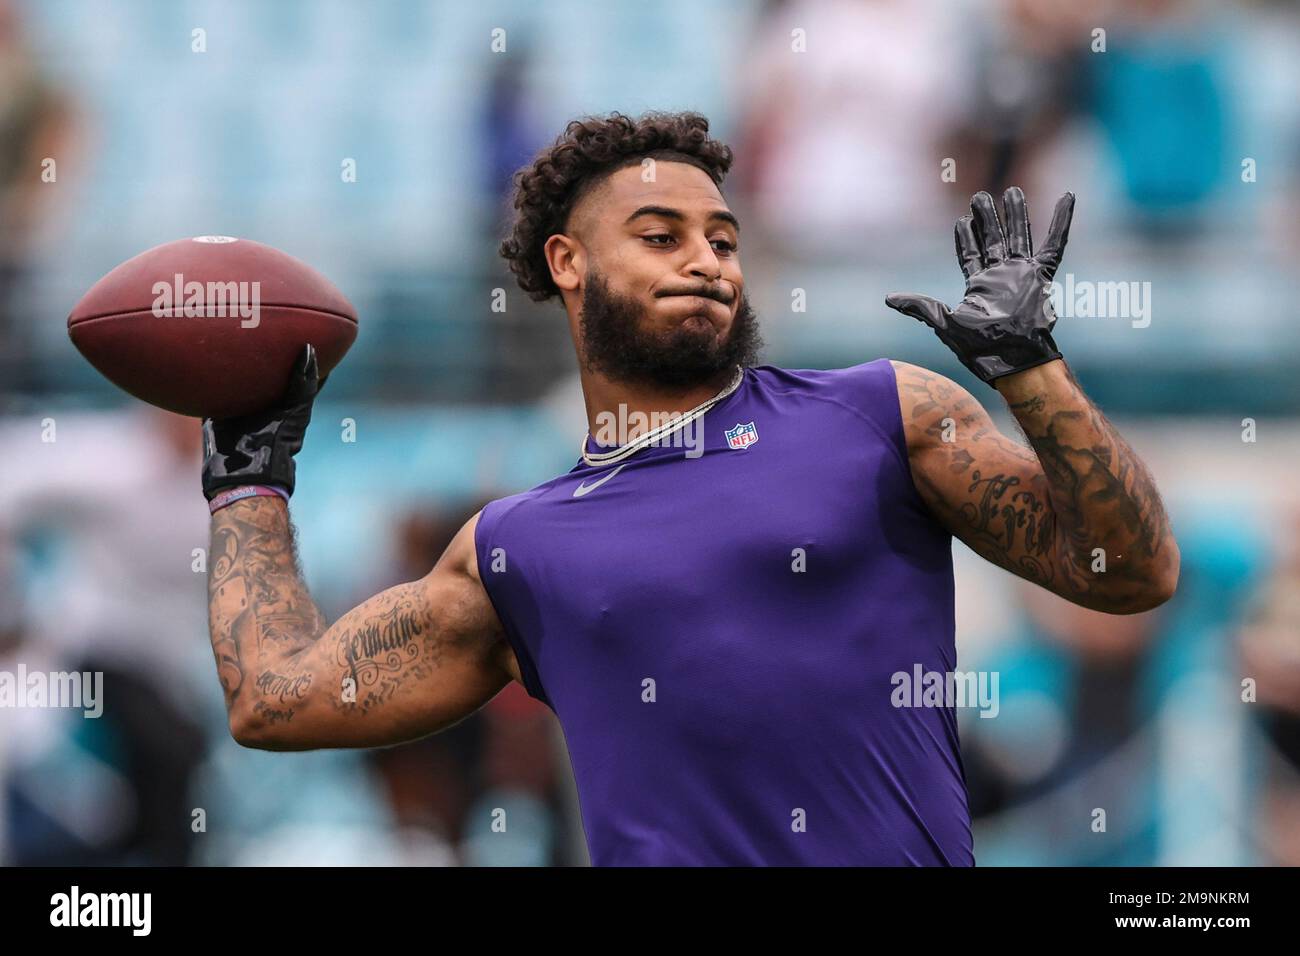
[676, 579]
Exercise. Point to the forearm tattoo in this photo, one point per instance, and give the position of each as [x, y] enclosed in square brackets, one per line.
[1042, 511]
[275, 654]
[259, 610]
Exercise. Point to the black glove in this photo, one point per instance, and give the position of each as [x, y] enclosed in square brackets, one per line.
[1004, 323]
[258, 449]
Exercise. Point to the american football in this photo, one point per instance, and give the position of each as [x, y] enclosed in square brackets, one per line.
[210, 326]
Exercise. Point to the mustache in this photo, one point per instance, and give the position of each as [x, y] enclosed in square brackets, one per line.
[717, 293]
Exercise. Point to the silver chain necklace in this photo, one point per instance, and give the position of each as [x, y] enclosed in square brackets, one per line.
[647, 438]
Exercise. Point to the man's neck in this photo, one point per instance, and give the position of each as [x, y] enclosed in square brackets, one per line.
[641, 407]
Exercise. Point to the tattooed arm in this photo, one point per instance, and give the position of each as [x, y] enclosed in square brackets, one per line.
[1040, 512]
[409, 662]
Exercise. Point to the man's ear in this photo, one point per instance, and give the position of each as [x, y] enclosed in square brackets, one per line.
[567, 261]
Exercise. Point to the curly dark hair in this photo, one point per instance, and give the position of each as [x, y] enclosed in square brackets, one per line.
[588, 150]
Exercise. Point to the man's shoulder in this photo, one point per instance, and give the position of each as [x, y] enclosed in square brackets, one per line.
[936, 411]
[922, 391]
[498, 509]
[870, 388]
[821, 379]
[509, 509]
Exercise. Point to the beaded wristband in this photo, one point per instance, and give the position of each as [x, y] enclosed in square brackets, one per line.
[231, 495]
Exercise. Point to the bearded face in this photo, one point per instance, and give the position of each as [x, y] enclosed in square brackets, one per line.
[620, 340]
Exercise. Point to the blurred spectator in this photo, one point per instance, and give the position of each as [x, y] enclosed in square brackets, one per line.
[1159, 92]
[487, 784]
[1129, 714]
[1026, 84]
[1270, 656]
[119, 594]
[1075, 708]
[527, 347]
[511, 129]
[1270, 639]
[34, 126]
[844, 105]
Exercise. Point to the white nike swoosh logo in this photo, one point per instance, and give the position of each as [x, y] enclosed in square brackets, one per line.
[585, 488]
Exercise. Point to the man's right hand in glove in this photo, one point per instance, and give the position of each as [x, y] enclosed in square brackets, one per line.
[257, 450]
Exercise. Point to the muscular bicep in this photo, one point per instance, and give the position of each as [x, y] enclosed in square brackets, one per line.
[987, 489]
[406, 663]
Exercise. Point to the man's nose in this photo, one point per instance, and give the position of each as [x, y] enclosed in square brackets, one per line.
[703, 263]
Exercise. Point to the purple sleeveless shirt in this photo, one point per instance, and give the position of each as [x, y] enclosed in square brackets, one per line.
[717, 634]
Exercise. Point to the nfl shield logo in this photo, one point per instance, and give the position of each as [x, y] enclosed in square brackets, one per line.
[742, 436]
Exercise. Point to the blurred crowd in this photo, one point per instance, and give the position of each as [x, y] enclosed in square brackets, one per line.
[102, 577]
[1182, 724]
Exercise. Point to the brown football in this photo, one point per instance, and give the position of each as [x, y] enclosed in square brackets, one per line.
[210, 326]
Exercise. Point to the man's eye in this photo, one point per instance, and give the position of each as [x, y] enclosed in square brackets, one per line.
[722, 245]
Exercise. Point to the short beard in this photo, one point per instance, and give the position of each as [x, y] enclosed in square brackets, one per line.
[616, 345]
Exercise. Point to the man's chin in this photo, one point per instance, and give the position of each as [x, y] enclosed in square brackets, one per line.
[701, 324]
[700, 350]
